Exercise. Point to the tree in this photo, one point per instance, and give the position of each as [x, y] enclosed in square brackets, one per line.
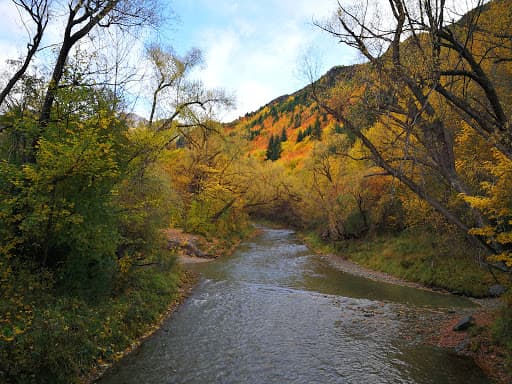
[81, 193]
[274, 149]
[400, 94]
[209, 182]
[270, 148]
[340, 193]
[300, 136]
[316, 130]
[170, 72]
[182, 104]
[297, 121]
[54, 207]
[283, 137]
[81, 18]
[38, 11]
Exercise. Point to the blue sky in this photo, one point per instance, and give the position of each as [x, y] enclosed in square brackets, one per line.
[256, 49]
[252, 49]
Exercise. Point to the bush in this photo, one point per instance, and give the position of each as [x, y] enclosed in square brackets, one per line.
[502, 330]
[50, 338]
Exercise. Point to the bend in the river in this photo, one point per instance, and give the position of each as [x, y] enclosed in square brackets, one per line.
[275, 313]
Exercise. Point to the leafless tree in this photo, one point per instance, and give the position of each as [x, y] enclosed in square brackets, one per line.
[82, 17]
[38, 11]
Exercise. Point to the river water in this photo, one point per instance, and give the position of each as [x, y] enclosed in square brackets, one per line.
[275, 313]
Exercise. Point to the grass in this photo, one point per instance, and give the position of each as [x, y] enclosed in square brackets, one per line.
[48, 336]
[501, 332]
[418, 257]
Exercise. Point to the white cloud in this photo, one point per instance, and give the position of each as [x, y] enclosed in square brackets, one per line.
[256, 55]
[251, 48]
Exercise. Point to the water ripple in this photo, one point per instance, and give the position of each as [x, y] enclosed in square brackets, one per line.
[258, 319]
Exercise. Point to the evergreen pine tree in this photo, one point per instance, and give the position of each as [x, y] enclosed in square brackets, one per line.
[316, 132]
[270, 148]
[277, 149]
[284, 137]
[274, 148]
[297, 120]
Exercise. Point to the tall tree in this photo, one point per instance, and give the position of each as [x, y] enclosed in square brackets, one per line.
[81, 18]
[456, 62]
[38, 11]
[274, 149]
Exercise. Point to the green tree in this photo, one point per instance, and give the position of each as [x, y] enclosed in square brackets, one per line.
[300, 136]
[83, 17]
[297, 121]
[284, 137]
[316, 131]
[274, 149]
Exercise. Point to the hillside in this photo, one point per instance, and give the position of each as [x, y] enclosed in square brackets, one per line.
[298, 115]
[428, 118]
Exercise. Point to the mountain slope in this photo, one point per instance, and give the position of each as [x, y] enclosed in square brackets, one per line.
[298, 115]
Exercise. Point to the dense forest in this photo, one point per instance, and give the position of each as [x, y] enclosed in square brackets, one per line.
[410, 151]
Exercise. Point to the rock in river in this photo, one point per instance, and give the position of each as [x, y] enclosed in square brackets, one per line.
[464, 323]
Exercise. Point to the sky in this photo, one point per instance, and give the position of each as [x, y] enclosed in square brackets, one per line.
[256, 49]
[253, 50]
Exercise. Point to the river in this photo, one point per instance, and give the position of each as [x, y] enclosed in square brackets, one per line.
[275, 313]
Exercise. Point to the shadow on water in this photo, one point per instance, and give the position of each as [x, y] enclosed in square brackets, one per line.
[277, 257]
[328, 280]
[273, 313]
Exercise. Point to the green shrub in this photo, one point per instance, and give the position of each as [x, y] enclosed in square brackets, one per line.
[502, 330]
[52, 337]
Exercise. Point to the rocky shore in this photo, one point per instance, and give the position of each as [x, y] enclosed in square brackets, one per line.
[436, 327]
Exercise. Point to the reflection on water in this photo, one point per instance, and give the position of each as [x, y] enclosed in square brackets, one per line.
[273, 313]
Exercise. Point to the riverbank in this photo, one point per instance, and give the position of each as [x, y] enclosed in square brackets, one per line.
[432, 263]
[193, 248]
[187, 282]
[48, 335]
[189, 249]
[437, 328]
[63, 337]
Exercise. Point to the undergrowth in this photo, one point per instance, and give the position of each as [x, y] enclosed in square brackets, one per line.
[49, 336]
